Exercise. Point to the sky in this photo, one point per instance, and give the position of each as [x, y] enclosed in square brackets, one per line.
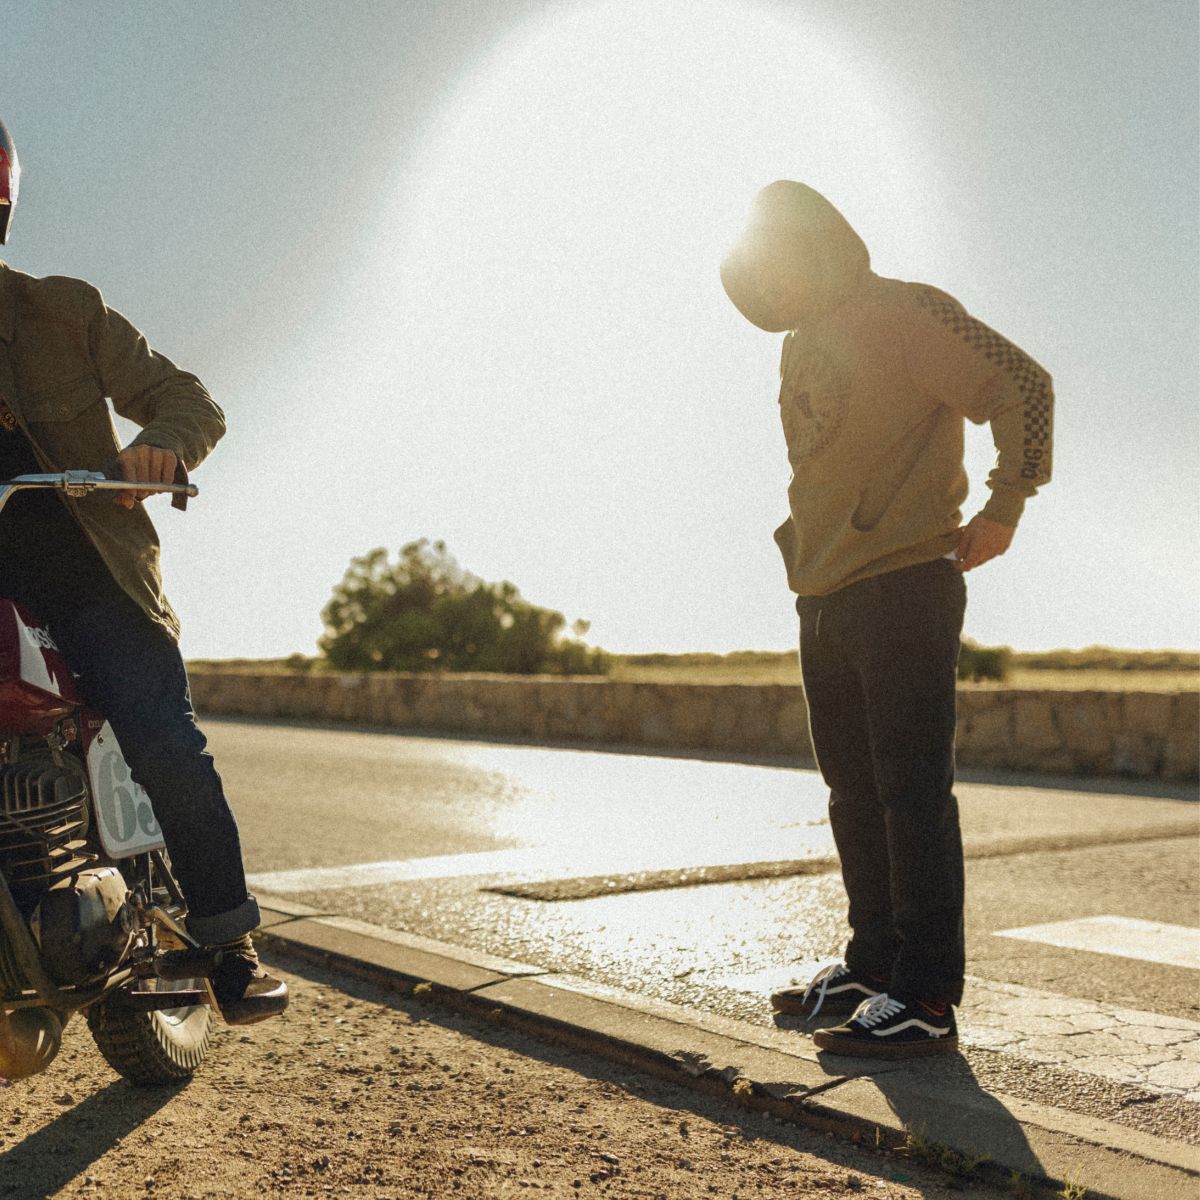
[450, 268]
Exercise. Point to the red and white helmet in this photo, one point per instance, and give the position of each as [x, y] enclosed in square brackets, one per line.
[10, 178]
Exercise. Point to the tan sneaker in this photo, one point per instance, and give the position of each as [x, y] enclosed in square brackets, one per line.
[244, 992]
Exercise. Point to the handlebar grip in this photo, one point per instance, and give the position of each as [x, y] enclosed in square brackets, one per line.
[179, 500]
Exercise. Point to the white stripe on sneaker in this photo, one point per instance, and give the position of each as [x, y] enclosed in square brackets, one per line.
[932, 1030]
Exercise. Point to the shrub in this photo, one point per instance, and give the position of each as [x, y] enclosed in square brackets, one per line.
[978, 663]
[424, 612]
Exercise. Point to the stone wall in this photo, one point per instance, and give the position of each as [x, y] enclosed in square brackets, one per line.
[1147, 735]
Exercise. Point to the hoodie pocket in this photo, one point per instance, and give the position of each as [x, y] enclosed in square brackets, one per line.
[890, 472]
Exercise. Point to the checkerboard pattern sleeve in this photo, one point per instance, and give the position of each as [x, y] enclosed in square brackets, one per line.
[967, 365]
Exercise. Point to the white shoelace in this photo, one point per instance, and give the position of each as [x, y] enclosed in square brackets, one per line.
[877, 1009]
[820, 983]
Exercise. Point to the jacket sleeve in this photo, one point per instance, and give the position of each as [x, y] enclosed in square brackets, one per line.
[172, 406]
[969, 367]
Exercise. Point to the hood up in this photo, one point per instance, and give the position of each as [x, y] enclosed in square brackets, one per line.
[796, 257]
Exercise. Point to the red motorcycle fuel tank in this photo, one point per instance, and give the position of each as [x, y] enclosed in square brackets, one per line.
[37, 688]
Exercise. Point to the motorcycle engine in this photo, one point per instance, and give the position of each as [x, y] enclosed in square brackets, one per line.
[77, 910]
[83, 924]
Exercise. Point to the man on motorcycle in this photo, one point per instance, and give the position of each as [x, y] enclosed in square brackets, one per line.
[90, 568]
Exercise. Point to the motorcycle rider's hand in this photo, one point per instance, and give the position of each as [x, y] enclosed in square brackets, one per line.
[143, 464]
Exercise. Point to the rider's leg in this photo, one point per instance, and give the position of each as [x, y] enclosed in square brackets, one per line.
[131, 670]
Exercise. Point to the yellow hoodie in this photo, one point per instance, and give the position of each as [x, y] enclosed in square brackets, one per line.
[877, 377]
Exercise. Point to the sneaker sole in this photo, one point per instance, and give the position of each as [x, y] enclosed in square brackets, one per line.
[857, 1048]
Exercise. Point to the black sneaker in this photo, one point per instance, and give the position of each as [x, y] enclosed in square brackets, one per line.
[890, 1028]
[834, 990]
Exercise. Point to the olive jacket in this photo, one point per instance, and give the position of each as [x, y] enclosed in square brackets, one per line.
[63, 354]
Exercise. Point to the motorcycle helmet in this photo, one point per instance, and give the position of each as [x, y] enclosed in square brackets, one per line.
[10, 177]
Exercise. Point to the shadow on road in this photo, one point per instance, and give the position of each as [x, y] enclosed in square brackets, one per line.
[966, 1120]
[46, 1161]
[951, 1119]
[635, 1076]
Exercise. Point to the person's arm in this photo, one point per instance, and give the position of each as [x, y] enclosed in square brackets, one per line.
[180, 422]
[966, 365]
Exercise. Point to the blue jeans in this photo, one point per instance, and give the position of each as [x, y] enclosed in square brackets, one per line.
[879, 661]
[131, 671]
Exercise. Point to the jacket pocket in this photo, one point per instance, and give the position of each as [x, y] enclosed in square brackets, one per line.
[61, 401]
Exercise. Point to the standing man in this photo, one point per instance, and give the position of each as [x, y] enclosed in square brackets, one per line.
[878, 375]
[90, 568]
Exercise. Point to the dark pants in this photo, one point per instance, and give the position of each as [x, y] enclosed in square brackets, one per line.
[131, 671]
[879, 660]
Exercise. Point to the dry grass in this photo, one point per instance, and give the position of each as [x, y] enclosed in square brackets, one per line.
[751, 666]
[1099, 681]
[787, 670]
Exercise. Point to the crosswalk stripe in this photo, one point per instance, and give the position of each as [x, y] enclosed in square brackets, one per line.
[1124, 937]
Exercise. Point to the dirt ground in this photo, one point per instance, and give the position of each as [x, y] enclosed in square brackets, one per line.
[357, 1091]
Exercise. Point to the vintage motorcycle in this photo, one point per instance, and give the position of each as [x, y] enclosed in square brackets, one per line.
[88, 904]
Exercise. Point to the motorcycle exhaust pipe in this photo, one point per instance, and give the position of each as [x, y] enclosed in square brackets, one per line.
[30, 1039]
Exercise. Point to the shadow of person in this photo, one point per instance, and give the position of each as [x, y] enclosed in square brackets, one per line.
[43, 1163]
[936, 1100]
[943, 1108]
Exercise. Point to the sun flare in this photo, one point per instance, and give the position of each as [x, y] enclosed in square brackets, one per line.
[557, 327]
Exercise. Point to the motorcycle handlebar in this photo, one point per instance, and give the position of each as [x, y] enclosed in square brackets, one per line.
[80, 483]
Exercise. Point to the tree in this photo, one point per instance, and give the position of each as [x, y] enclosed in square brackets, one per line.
[424, 612]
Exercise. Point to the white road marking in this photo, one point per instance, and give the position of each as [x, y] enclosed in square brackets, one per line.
[1125, 937]
[1140, 1049]
[357, 875]
[552, 862]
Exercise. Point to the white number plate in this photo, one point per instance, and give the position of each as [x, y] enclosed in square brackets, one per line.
[123, 811]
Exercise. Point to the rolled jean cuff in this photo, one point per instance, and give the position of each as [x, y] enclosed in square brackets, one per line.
[224, 927]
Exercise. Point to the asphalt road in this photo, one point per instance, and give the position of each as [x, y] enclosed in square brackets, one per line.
[433, 836]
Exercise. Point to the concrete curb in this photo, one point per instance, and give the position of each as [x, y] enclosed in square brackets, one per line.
[768, 1069]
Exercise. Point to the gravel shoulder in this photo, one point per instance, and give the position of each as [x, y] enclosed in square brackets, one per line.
[360, 1091]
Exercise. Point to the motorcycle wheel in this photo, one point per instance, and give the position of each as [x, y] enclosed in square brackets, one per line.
[151, 1047]
[158, 1047]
